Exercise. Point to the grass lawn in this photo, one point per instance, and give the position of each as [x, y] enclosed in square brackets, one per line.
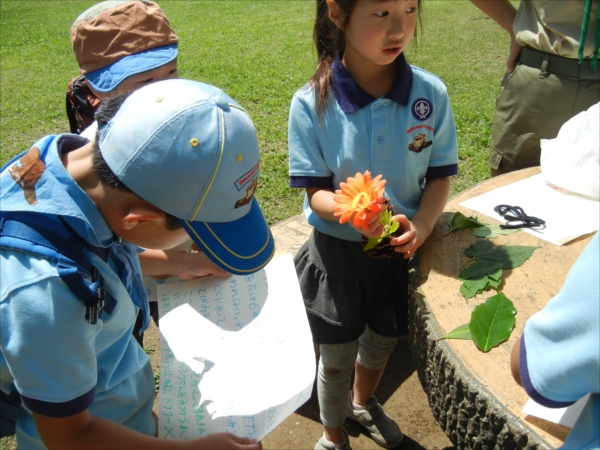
[259, 52]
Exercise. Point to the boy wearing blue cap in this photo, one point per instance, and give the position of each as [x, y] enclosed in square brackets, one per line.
[172, 162]
[121, 46]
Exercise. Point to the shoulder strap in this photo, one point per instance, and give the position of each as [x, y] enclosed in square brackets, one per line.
[57, 242]
[81, 104]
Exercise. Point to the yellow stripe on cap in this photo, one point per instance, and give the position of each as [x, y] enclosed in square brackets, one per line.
[223, 263]
[214, 175]
[227, 248]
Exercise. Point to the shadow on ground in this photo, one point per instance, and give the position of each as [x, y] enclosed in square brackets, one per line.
[403, 399]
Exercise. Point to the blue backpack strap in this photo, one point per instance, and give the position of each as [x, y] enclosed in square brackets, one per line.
[56, 241]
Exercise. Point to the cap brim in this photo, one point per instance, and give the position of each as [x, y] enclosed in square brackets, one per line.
[241, 247]
[108, 78]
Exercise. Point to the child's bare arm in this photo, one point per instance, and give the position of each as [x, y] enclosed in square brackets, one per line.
[184, 265]
[515, 356]
[503, 13]
[321, 202]
[85, 431]
[418, 229]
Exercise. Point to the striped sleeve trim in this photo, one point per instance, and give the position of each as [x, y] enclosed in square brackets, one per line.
[442, 171]
[60, 410]
[528, 385]
[312, 182]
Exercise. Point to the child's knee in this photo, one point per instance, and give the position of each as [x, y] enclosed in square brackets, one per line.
[375, 349]
[337, 360]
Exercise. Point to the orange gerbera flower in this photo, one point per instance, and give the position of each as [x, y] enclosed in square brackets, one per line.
[359, 199]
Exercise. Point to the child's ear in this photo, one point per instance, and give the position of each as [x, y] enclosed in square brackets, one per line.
[139, 214]
[100, 95]
[334, 13]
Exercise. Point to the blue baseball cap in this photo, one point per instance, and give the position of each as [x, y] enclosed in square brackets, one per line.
[190, 150]
[108, 78]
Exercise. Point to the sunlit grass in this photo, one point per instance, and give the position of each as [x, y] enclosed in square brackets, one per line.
[260, 53]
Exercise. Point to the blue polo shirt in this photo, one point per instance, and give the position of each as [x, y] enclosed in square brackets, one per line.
[60, 364]
[408, 136]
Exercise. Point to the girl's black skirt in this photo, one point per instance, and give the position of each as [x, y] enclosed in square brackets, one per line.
[345, 289]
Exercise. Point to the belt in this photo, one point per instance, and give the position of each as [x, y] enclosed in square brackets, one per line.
[559, 65]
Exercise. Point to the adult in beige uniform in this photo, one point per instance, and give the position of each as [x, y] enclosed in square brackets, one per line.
[549, 79]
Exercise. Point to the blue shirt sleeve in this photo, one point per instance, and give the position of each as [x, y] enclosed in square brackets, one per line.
[305, 154]
[560, 353]
[48, 348]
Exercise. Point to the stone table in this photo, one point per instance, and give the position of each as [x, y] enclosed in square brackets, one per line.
[472, 394]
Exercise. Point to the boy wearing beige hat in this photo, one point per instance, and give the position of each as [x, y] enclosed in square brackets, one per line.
[120, 46]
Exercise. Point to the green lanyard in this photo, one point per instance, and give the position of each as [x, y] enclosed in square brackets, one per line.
[584, 28]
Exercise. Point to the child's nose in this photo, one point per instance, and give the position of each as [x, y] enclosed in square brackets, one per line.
[396, 30]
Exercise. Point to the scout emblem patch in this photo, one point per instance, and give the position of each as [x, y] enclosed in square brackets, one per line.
[422, 109]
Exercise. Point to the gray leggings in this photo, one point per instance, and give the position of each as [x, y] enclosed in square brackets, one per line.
[335, 371]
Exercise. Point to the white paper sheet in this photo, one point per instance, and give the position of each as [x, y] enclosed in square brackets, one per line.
[236, 353]
[567, 217]
[562, 416]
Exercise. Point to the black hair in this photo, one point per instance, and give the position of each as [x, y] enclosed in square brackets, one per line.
[107, 110]
[329, 42]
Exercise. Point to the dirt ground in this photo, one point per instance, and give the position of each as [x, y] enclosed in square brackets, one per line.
[400, 393]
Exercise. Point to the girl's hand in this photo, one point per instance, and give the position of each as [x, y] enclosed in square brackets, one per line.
[374, 230]
[417, 230]
[412, 237]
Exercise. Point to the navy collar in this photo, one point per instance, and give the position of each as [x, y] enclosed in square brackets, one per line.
[351, 97]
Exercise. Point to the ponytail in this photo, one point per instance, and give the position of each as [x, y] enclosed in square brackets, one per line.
[329, 41]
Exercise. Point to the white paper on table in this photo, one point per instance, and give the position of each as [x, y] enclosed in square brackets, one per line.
[236, 353]
[567, 217]
[562, 416]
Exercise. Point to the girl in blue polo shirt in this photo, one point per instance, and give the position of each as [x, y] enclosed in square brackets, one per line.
[365, 108]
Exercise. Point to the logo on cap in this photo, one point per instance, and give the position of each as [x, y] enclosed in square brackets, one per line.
[422, 109]
[252, 177]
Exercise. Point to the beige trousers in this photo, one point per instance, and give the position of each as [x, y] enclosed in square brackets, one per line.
[531, 107]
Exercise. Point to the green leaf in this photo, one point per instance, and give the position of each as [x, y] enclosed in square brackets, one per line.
[386, 217]
[466, 291]
[493, 280]
[372, 243]
[390, 226]
[492, 231]
[479, 248]
[470, 288]
[487, 260]
[460, 221]
[492, 322]
[393, 227]
[480, 229]
[461, 332]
